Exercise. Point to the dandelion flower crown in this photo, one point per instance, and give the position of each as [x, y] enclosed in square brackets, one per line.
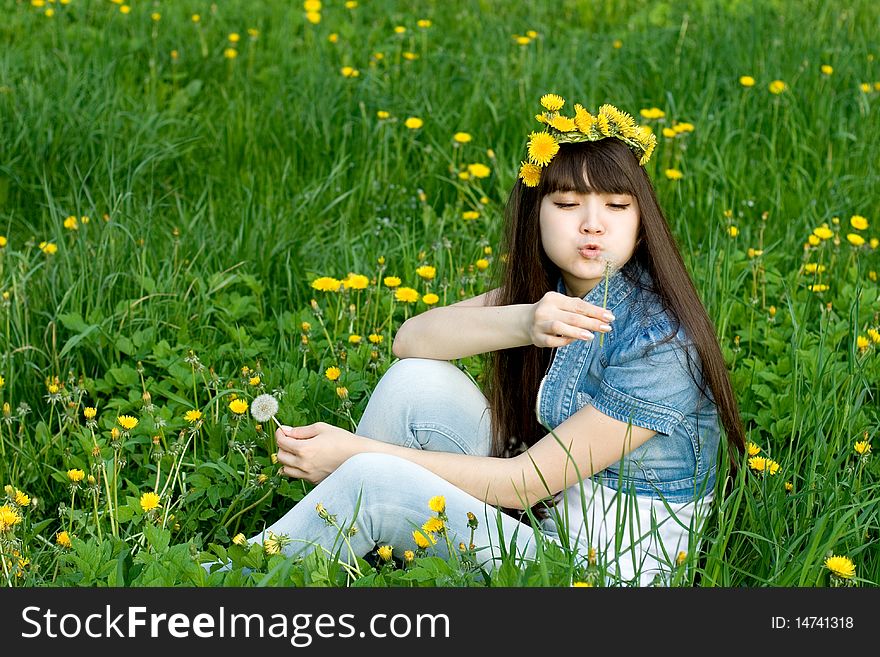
[560, 129]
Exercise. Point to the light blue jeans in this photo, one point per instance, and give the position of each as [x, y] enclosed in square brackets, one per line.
[421, 404]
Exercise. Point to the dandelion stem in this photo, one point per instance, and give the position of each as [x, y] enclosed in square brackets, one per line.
[605, 298]
[226, 523]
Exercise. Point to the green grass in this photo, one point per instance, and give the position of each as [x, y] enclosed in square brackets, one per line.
[218, 189]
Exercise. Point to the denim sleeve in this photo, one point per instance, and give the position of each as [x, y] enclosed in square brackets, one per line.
[648, 383]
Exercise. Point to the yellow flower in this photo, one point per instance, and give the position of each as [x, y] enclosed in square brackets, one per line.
[582, 585]
[406, 294]
[9, 517]
[125, 9]
[230, 53]
[684, 126]
[326, 284]
[478, 170]
[3, 241]
[542, 148]
[63, 539]
[841, 566]
[826, 69]
[552, 102]
[763, 465]
[862, 343]
[410, 56]
[354, 339]
[356, 282]
[49, 248]
[858, 222]
[193, 416]
[342, 392]
[470, 215]
[75, 475]
[127, 422]
[375, 338]
[349, 72]
[90, 412]
[195, 18]
[789, 486]
[332, 373]
[399, 29]
[862, 447]
[433, 525]
[865, 87]
[430, 299]
[753, 449]
[733, 231]
[461, 137]
[482, 264]
[874, 334]
[754, 253]
[391, 281]
[385, 552]
[674, 174]
[313, 17]
[427, 272]
[149, 501]
[817, 288]
[413, 123]
[617, 44]
[71, 223]
[813, 268]
[254, 381]
[823, 232]
[333, 37]
[562, 123]
[422, 540]
[530, 174]
[437, 504]
[747, 81]
[23, 500]
[777, 87]
[238, 406]
[855, 240]
[652, 113]
[423, 22]
[669, 133]
[522, 40]
[239, 539]
[234, 37]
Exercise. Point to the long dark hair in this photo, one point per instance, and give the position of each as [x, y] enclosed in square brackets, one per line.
[528, 274]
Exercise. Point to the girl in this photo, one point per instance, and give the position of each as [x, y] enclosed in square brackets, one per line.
[610, 434]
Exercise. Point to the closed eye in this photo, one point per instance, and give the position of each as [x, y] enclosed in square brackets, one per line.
[618, 206]
[565, 205]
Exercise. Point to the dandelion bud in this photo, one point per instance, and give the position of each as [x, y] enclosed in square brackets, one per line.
[156, 440]
[114, 433]
[239, 539]
[681, 558]
[7, 410]
[342, 392]
[462, 546]
[147, 397]
[262, 479]
[472, 520]
[772, 311]
[408, 556]
[91, 480]
[591, 556]
[96, 451]
[274, 458]
[9, 490]
[385, 552]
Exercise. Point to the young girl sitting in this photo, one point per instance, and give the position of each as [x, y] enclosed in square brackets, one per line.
[610, 436]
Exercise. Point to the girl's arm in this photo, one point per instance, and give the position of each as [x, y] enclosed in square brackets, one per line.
[478, 326]
[586, 443]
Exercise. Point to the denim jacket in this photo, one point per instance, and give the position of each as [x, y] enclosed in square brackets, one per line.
[635, 379]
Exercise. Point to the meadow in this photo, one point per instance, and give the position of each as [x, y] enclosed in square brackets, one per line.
[201, 203]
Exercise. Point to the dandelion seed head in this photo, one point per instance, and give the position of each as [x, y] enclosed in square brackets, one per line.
[264, 407]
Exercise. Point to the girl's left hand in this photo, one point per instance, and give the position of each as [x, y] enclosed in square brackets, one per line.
[313, 452]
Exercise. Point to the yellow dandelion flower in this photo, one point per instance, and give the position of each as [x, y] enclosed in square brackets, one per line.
[669, 133]
[674, 174]
[254, 381]
[563, 123]
[754, 253]
[149, 501]
[391, 281]
[552, 102]
[858, 222]
[23, 500]
[385, 552]
[874, 334]
[349, 72]
[413, 123]
[410, 56]
[733, 231]
[313, 17]
[482, 264]
[423, 22]
[753, 449]
[90, 412]
[763, 465]
[382, 114]
[195, 18]
[530, 174]
[437, 504]
[423, 541]
[49, 248]
[238, 406]
[333, 37]
[433, 526]
[234, 37]
[823, 232]
[652, 113]
[478, 170]
[542, 148]
[747, 81]
[865, 87]
[603, 124]
[461, 137]
[239, 539]
[789, 486]
[125, 9]
[230, 53]
[777, 87]
[820, 287]
[863, 343]
[855, 240]
[375, 338]
[862, 447]
[470, 215]
[683, 127]
[427, 272]
[617, 44]
[71, 223]
[814, 268]
[192, 416]
[841, 566]
[63, 539]
[332, 373]
[326, 284]
[127, 422]
[9, 518]
[826, 69]
[76, 475]
[406, 294]
[356, 282]
[430, 299]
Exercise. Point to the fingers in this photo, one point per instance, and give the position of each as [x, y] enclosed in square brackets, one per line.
[581, 307]
[299, 433]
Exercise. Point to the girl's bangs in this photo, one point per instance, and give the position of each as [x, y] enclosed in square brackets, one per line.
[588, 167]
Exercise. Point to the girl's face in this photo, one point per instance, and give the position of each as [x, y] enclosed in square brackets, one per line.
[580, 233]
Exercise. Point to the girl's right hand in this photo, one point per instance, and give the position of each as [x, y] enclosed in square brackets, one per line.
[557, 320]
